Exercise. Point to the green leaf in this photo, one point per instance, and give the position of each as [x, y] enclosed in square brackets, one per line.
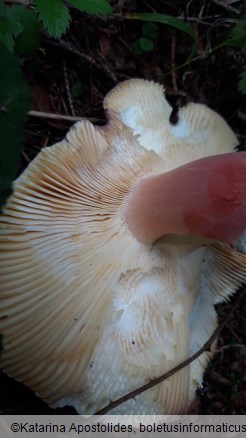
[19, 29]
[28, 40]
[150, 30]
[15, 101]
[54, 15]
[8, 29]
[2, 9]
[10, 15]
[165, 19]
[14, 93]
[237, 36]
[146, 44]
[7, 39]
[92, 6]
[242, 82]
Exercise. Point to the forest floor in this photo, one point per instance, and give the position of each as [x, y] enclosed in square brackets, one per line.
[71, 76]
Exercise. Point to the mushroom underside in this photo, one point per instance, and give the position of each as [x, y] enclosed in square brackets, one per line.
[90, 306]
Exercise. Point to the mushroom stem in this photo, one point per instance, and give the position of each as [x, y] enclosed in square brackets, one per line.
[206, 197]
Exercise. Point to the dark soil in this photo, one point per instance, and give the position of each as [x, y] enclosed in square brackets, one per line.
[72, 76]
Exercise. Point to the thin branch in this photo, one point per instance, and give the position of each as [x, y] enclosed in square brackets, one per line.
[197, 20]
[226, 6]
[61, 117]
[67, 88]
[107, 67]
[228, 347]
[206, 347]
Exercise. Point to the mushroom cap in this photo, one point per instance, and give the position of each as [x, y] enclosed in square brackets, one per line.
[199, 132]
[88, 312]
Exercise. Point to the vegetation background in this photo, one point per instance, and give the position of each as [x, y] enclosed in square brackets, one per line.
[58, 59]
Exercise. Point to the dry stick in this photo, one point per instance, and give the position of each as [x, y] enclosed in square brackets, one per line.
[67, 88]
[226, 6]
[44, 115]
[107, 67]
[227, 347]
[154, 382]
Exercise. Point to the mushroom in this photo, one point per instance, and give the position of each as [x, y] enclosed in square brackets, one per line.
[93, 302]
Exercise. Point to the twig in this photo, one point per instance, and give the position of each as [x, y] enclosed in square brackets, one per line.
[188, 5]
[234, 334]
[206, 347]
[67, 87]
[201, 11]
[226, 6]
[107, 67]
[28, 160]
[227, 347]
[197, 20]
[61, 117]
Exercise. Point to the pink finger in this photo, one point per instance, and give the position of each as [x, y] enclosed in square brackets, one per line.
[206, 197]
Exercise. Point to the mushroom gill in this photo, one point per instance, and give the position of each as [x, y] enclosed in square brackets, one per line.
[90, 309]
